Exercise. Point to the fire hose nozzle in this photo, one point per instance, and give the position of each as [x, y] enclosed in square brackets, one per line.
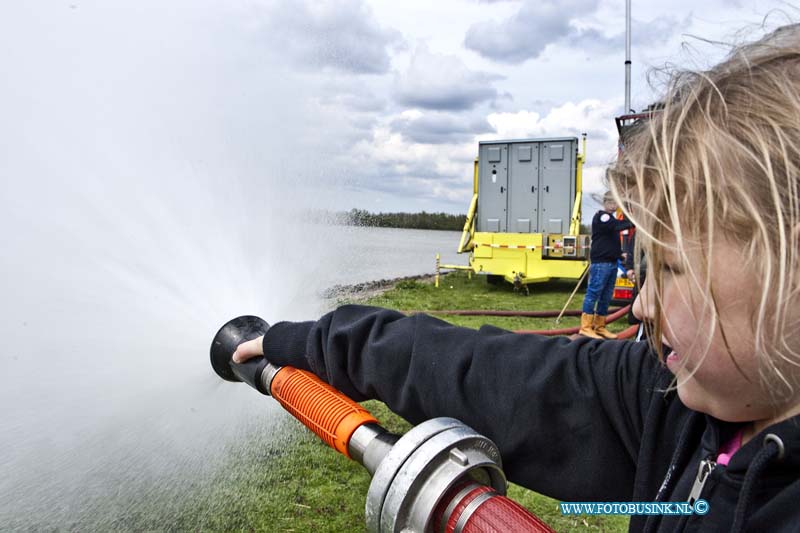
[324, 410]
[227, 339]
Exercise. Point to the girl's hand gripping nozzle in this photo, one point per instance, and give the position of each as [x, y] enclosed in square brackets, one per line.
[225, 342]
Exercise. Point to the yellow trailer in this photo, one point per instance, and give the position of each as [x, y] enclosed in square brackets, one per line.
[523, 223]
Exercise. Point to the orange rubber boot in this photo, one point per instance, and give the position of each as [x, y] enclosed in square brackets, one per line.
[586, 327]
[600, 328]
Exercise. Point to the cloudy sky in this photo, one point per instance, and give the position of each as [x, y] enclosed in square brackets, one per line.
[347, 103]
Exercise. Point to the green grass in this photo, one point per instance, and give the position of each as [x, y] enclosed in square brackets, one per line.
[457, 291]
[294, 483]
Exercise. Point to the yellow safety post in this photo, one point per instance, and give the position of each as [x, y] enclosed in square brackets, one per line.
[436, 284]
[467, 234]
[465, 244]
[571, 296]
[575, 223]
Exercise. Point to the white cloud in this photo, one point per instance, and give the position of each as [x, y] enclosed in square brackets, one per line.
[567, 119]
[527, 33]
[342, 35]
[440, 128]
[388, 162]
[645, 34]
[443, 82]
[352, 95]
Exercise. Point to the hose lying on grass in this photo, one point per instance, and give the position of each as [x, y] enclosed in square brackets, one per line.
[495, 312]
[616, 314]
[626, 333]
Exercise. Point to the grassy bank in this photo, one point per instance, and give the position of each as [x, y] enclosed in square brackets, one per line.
[297, 484]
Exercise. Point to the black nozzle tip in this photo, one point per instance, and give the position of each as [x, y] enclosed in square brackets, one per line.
[231, 335]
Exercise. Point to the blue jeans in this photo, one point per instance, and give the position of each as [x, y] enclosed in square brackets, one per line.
[602, 277]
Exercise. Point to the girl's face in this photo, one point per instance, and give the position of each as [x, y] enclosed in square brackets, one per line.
[702, 355]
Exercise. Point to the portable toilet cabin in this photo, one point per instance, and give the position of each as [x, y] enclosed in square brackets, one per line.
[524, 221]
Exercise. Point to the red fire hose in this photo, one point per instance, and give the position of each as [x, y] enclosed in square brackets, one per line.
[477, 508]
[500, 312]
[570, 331]
[616, 314]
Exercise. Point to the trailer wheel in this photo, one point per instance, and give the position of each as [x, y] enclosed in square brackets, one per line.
[493, 279]
[522, 290]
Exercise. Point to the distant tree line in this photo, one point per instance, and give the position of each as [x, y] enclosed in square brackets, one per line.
[422, 220]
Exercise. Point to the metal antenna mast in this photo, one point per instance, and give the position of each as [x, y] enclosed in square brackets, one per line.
[627, 57]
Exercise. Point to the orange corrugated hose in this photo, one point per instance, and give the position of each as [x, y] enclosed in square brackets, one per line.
[324, 410]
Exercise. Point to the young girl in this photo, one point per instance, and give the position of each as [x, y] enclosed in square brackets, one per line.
[711, 183]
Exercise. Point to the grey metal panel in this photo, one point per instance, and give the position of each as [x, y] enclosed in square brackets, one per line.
[557, 171]
[531, 140]
[523, 184]
[526, 185]
[492, 187]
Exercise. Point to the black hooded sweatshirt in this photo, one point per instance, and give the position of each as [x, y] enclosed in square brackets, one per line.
[582, 420]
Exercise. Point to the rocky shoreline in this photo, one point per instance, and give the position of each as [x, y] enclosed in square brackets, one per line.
[363, 291]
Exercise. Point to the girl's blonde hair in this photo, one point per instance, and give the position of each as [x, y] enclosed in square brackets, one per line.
[721, 160]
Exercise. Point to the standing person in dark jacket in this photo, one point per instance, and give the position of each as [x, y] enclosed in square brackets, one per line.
[604, 254]
[710, 414]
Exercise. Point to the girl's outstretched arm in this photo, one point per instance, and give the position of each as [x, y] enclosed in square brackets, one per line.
[566, 415]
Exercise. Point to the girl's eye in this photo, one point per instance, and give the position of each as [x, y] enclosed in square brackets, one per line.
[668, 268]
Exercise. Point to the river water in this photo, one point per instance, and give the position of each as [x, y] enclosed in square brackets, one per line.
[364, 254]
